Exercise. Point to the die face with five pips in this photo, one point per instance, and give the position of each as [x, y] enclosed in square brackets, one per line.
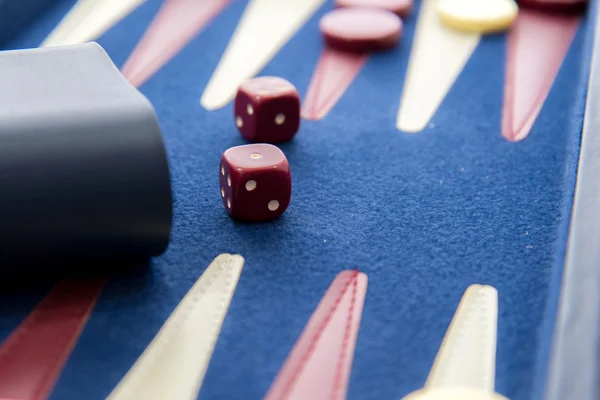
[267, 110]
[255, 181]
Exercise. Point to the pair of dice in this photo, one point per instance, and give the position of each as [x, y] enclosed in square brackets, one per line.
[255, 179]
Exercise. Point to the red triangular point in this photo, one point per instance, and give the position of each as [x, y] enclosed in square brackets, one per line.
[334, 73]
[33, 356]
[177, 22]
[537, 46]
[319, 365]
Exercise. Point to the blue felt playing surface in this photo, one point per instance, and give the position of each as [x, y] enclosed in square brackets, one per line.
[16, 16]
[423, 215]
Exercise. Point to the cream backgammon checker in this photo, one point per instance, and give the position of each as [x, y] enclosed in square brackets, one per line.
[174, 364]
[479, 16]
[465, 366]
[88, 20]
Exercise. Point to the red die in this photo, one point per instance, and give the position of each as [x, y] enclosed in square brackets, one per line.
[256, 184]
[267, 109]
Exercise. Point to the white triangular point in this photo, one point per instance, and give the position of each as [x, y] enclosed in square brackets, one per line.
[467, 356]
[177, 22]
[88, 20]
[319, 365]
[174, 364]
[438, 56]
[264, 28]
[537, 46]
[334, 73]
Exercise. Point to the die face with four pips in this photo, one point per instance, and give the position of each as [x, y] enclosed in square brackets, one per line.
[267, 110]
[255, 181]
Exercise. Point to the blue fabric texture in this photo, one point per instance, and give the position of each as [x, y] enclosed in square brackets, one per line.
[15, 16]
[423, 215]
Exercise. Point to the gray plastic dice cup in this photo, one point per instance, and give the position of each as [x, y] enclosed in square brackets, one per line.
[84, 175]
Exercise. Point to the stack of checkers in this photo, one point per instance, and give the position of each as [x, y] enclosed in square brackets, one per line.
[370, 25]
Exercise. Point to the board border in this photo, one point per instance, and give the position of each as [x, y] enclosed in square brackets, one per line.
[574, 365]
